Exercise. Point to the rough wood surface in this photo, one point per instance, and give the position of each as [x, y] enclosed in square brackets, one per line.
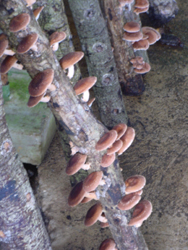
[81, 126]
[96, 45]
[21, 224]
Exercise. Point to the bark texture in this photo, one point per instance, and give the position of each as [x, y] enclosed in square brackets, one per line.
[96, 45]
[163, 10]
[21, 224]
[80, 125]
[131, 83]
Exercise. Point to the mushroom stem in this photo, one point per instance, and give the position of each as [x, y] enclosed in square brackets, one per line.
[52, 87]
[86, 166]
[34, 47]
[70, 73]
[85, 96]
[55, 47]
[102, 219]
[91, 195]
[45, 98]
[9, 52]
[18, 66]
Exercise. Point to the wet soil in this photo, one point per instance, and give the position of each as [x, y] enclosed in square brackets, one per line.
[159, 152]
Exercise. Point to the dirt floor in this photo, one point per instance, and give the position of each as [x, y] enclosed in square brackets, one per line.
[159, 152]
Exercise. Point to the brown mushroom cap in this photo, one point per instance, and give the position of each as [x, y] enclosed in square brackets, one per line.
[140, 10]
[108, 244]
[132, 37]
[93, 214]
[129, 201]
[40, 83]
[115, 147]
[92, 181]
[71, 59]
[138, 59]
[141, 45]
[144, 69]
[141, 212]
[107, 160]
[106, 140]
[153, 35]
[134, 183]
[75, 163]
[76, 195]
[57, 37]
[132, 27]
[33, 101]
[127, 139]
[7, 64]
[27, 43]
[141, 4]
[37, 11]
[19, 22]
[3, 44]
[84, 84]
[120, 128]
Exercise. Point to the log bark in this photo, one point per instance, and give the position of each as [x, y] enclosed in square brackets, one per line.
[75, 117]
[162, 11]
[21, 224]
[96, 45]
[131, 83]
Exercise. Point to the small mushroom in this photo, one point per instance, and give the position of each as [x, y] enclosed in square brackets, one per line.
[144, 69]
[120, 128]
[134, 183]
[19, 22]
[41, 82]
[140, 10]
[68, 61]
[93, 180]
[127, 140]
[37, 12]
[56, 38]
[132, 37]
[107, 160]
[108, 244]
[141, 212]
[83, 86]
[132, 27]
[77, 162]
[77, 194]
[27, 43]
[141, 45]
[115, 147]
[94, 214]
[8, 63]
[33, 101]
[106, 140]
[153, 34]
[129, 201]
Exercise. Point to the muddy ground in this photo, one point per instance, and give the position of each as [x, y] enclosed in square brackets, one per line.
[159, 152]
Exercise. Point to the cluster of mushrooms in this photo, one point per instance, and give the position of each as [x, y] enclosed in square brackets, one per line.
[114, 141]
[141, 38]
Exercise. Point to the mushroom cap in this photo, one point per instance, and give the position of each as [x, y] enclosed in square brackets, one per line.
[3, 44]
[141, 4]
[27, 42]
[57, 37]
[141, 212]
[92, 181]
[33, 101]
[120, 128]
[141, 45]
[132, 27]
[84, 84]
[132, 37]
[86, 200]
[37, 11]
[106, 140]
[140, 10]
[127, 139]
[115, 147]
[40, 82]
[93, 214]
[108, 244]
[153, 34]
[107, 160]
[76, 195]
[136, 59]
[71, 59]
[144, 69]
[75, 163]
[129, 201]
[134, 183]
[19, 22]
[7, 63]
